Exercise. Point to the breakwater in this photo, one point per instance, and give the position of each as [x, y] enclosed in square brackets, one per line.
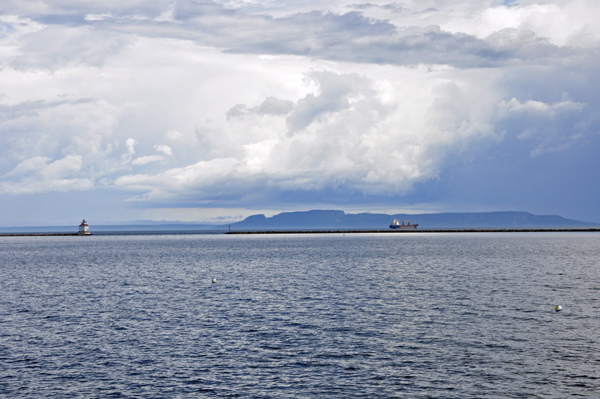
[40, 234]
[544, 230]
[413, 231]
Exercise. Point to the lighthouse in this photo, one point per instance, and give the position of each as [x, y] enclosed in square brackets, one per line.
[84, 228]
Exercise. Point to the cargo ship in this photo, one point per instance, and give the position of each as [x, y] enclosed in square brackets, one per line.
[396, 225]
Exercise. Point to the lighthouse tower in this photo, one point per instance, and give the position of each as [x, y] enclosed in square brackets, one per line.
[84, 228]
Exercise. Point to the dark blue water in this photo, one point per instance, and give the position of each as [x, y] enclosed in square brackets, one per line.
[301, 316]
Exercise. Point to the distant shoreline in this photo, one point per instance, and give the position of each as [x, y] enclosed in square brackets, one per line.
[417, 231]
[254, 232]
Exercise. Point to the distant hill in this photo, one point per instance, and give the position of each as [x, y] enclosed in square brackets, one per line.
[340, 220]
[335, 220]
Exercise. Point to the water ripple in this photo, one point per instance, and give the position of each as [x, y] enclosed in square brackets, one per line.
[366, 315]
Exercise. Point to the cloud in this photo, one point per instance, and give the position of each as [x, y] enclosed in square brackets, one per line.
[36, 175]
[518, 36]
[343, 36]
[130, 147]
[29, 165]
[270, 106]
[173, 134]
[265, 103]
[201, 176]
[352, 36]
[62, 167]
[51, 127]
[56, 47]
[553, 127]
[346, 135]
[148, 159]
[70, 11]
[27, 109]
[515, 108]
[336, 93]
[165, 149]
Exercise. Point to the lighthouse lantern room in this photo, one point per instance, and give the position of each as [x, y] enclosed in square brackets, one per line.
[84, 228]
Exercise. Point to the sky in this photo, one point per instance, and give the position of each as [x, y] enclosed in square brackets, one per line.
[211, 111]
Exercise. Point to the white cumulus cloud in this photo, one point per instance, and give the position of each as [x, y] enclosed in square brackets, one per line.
[165, 149]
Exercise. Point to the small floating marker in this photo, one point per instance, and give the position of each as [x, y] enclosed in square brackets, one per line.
[214, 280]
[558, 308]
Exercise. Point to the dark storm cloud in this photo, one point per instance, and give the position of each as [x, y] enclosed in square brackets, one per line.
[350, 36]
[353, 37]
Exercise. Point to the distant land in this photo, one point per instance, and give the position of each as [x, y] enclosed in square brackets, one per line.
[333, 219]
[342, 220]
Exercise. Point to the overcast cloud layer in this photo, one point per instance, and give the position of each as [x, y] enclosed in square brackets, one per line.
[191, 110]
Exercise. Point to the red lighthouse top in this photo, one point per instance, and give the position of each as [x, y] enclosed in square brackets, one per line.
[83, 223]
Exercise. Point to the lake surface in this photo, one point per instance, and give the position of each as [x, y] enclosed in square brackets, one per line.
[301, 316]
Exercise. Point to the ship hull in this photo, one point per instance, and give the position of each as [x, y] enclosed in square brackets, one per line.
[403, 227]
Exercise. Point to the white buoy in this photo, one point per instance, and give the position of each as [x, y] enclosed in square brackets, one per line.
[558, 308]
[214, 280]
